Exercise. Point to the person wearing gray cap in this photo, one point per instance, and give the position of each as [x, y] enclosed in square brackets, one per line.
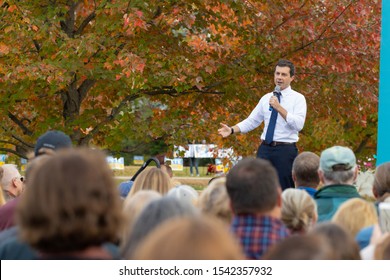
[338, 171]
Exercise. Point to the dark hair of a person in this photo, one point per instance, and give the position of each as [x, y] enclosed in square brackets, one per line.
[253, 186]
[287, 63]
[382, 181]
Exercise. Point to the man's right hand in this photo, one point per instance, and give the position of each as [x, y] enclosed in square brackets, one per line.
[225, 130]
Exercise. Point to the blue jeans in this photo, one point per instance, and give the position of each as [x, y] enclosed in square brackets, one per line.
[194, 162]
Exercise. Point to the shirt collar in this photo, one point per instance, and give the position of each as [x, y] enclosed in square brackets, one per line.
[286, 91]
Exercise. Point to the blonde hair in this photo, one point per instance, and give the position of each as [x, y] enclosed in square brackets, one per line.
[299, 210]
[133, 206]
[214, 200]
[355, 214]
[151, 179]
[196, 238]
[382, 249]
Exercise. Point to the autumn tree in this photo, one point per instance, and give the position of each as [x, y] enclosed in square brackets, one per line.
[105, 71]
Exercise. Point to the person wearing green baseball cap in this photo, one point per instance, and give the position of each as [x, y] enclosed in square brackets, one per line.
[338, 171]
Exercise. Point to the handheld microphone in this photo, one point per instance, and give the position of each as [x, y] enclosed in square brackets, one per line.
[275, 92]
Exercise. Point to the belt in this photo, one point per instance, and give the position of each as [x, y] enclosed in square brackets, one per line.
[276, 143]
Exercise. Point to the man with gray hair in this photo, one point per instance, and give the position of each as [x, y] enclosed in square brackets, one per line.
[337, 172]
[11, 182]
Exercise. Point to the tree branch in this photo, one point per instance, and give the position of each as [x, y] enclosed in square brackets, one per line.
[13, 152]
[19, 123]
[319, 37]
[85, 22]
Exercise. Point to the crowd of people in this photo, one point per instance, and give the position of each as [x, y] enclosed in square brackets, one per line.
[67, 206]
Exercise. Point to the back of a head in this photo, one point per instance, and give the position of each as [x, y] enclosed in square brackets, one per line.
[153, 215]
[253, 186]
[342, 242]
[214, 200]
[338, 165]
[52, 140]
[382, 249]
[356, 214]
[299, 210]
[190, 238]
[305, 169]
[70, 203]
[381, 185]
[133, 206]
[184, 193]
[152, 178]
[301, 247]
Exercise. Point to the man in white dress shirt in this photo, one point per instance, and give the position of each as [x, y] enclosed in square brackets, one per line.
[278, 146]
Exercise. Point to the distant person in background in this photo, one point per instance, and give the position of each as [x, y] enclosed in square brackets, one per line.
[194, 161]
[305, 172]
[338, 171]
[255, 197]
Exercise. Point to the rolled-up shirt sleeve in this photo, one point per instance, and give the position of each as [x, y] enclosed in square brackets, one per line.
[296, 118]
[255, 118]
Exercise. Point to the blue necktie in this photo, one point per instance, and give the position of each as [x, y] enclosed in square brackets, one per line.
[269, 137]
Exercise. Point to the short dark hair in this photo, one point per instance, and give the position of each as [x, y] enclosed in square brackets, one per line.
[286, 63]
[305, 169]
[253, 186]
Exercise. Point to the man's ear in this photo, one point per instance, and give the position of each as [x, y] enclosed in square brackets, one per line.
[294, 176]
[321, 175]
[279, 201]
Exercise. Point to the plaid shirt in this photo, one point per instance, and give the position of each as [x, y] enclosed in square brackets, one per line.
[257, 233]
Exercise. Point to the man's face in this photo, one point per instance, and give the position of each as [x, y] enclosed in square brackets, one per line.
[282, 77]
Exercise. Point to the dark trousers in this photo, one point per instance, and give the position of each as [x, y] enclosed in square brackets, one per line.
[282, 158]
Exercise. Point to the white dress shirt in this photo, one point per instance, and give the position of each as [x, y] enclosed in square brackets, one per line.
[286, 130]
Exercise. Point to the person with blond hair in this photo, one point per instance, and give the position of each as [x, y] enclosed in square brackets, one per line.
[133, 207]
[299, 210]
[151, 178]
[356, 214]
[190, 238]
[214, 200]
